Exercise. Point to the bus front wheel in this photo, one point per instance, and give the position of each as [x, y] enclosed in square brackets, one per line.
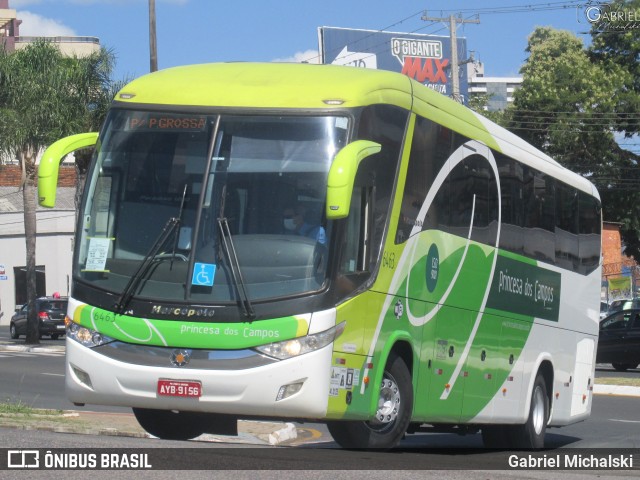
[169, 424]
[395, 404]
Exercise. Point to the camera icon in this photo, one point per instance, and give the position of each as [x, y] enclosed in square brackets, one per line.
[23, 459]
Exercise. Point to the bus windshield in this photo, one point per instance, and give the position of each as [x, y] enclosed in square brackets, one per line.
[185, 206]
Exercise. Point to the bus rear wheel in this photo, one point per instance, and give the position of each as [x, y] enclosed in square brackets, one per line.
[170, 424]
[395, 404]
[531, 434]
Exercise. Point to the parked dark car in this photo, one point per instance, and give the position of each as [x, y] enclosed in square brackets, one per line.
[624, 304]
[51, 312]
[619, 342]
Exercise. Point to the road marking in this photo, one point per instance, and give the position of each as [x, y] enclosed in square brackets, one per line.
[53, 374]
[623, 421]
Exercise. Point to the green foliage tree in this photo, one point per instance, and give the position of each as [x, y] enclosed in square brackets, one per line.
[568, 107]
[45, 96]
[616, 45]
[479, 103]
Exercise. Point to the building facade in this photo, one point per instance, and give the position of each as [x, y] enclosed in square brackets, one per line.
[11, 40]
[499, 90]
[617, 268]
[54, 240]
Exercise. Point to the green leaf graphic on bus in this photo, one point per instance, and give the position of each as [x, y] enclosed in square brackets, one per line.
[194, 334]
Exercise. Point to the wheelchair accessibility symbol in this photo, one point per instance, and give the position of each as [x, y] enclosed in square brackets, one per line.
[203, 274]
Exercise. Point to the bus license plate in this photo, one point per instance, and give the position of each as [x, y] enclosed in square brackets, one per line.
[179, 388]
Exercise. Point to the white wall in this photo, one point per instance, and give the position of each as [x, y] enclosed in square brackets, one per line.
[54, 247]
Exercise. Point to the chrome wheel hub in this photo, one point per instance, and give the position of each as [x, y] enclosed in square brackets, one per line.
[388, 401]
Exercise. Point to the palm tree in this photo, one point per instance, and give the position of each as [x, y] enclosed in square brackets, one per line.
[45, 96]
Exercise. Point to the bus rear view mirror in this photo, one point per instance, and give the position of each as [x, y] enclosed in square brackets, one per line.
[342, 175]
[184, 238]
[50, 163]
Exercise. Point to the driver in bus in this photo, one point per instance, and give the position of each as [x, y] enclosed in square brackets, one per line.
[299, 221]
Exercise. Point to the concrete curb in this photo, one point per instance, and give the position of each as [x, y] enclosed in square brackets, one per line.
[286, 434]
[32, 348]
[622, 390]
[125, 425]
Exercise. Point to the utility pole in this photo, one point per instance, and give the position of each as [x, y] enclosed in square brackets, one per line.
[153, 49]
[455, 63]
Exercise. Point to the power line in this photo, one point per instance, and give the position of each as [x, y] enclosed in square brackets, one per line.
[453, 39]
[545, 6]
[533, 7]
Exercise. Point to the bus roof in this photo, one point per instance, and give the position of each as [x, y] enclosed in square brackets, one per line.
[268, 85]
[312, 86]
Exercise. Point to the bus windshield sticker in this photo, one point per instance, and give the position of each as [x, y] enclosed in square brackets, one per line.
[97, 254]
[203, 274]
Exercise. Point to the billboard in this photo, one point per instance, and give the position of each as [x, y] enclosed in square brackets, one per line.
[425, 58]
[619, 288]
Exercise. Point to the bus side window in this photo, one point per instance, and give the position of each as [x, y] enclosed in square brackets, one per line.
[511, 182]
[589, 233]
[357, 256]
[539, 202]
[430, 148]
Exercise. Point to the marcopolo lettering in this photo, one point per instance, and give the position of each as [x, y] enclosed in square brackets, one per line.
[182, 312]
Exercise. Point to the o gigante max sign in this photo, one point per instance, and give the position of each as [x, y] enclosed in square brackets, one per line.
[422, 60]
[425, 58]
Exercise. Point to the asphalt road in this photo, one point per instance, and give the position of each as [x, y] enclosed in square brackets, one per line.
[37, 379]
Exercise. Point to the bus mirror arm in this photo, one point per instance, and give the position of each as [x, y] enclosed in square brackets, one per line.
[342, 176]
[50, 163]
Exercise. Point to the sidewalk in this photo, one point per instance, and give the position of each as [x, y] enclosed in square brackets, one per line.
[125, 424]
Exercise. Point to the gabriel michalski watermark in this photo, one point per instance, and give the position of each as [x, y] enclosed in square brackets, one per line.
[607, 17]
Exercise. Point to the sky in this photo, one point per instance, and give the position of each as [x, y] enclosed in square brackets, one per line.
[202, 31]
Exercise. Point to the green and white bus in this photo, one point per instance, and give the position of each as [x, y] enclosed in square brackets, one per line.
[323, 243]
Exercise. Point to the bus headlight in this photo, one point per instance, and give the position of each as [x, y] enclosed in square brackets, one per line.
[85, 336]
[301, 345]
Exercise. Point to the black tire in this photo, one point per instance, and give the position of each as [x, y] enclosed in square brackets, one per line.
[170, 424]
[13, 331]
[622, 367]
[393, 415]
[531, 434]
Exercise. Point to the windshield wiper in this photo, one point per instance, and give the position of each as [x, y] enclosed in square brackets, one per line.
[234, 264]
[144, 266]
[177, 234]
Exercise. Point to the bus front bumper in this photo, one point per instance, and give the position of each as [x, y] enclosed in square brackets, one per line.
[95, 378]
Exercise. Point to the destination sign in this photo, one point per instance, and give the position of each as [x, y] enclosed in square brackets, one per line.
[167, 122]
